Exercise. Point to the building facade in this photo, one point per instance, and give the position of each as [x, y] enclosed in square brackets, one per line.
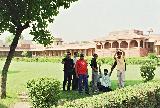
[57, 48]
[133, 42]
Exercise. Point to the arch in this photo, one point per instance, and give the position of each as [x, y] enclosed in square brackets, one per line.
[141, 44]
[133, 43]
[107, 45]
[123, 44]
[115, 44]
[99, 46]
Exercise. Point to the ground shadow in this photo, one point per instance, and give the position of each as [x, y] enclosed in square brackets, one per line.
[12, 72]
[72, 95]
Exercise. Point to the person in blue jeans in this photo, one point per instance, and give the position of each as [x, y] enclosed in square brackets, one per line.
[82, 74]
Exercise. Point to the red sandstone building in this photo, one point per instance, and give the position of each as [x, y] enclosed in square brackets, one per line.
[133, 42]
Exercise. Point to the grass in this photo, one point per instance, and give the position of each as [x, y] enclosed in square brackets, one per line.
[20, 72]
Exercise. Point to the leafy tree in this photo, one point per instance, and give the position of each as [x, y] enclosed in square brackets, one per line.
[18, 15]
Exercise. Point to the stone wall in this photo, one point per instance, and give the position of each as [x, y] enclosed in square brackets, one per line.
[131, 52]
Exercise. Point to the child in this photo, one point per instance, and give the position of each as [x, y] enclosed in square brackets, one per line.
[105, 82]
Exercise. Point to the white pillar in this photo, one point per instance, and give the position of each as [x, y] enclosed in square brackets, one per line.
[119, 44]
[143, 44]
[103, 43]
[138, 43]
[111, 44]
[128, 44]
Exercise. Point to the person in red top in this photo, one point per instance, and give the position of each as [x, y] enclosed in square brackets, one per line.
[82, 74]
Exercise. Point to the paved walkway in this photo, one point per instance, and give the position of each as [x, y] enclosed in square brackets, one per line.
[22, 105]
[23, 101]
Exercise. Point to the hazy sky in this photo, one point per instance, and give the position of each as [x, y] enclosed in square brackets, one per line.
[89, 19]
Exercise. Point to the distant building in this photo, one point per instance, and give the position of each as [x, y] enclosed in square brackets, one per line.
[133, 42]
[57, 48]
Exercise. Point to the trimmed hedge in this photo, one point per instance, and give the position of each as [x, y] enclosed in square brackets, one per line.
[144, 95]
[103, 60]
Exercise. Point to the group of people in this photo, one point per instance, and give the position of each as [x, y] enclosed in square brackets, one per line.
[76, 73]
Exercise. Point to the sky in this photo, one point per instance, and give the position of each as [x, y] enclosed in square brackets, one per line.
[90, 19]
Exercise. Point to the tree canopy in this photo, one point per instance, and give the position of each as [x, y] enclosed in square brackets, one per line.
[17, 15]
[37, 13]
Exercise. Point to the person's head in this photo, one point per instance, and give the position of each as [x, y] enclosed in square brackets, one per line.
[68, 55]
[75, 54]
[105, 71]
[119, 53]
[95, 55]
[81, 56]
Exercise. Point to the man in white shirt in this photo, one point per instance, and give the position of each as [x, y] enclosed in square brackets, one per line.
[105, 82]
[121, 66]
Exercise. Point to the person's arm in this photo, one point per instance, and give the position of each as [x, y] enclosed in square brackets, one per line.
[115, 55]
[92, 65]
[73, 64]
[113, 66]
[99, 68]
[76, 69]
[122, 52]
[63, 61]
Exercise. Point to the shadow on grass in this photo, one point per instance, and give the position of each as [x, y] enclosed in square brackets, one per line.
[12, 72]
[72, 95]
[3, 106]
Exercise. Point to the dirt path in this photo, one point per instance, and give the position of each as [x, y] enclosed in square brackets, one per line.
[23, 101]
[22, 105]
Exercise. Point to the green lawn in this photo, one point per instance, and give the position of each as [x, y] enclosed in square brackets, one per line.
[21, 72]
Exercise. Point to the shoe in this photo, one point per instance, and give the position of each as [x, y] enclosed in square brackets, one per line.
[87, 93]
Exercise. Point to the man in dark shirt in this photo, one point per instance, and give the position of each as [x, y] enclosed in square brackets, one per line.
[68, 70]
[94, 67]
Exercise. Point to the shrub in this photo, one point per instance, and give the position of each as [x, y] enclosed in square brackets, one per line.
[44, 92]
[152, 56]
[147, 71]
[144, 95]
[26, 54]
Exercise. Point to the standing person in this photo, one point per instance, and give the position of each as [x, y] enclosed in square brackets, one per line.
[68, 70]
[82, 73]
[94, 67]
[121, 66]
[75, 79]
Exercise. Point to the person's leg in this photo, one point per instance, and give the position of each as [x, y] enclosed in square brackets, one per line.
[96, 81]
[119, 78]
[93, 79]
[74, 81]
[100, 88]
[80, 83]
[69, 81]
[104, 89]
[85, 80]
[122, 78]
[64, 81]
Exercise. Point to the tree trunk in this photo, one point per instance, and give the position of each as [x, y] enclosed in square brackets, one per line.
[8, 61]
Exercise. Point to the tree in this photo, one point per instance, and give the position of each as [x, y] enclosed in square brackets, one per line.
[18, 15]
